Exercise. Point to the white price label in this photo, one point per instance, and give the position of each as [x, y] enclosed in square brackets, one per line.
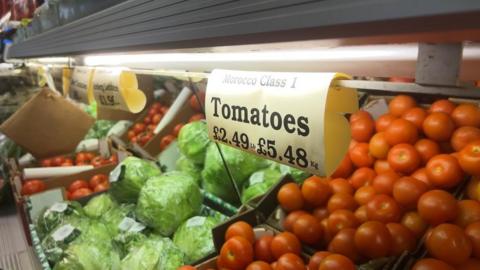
[284, 117]
[81, 85]
[63, 232]
[196, 221]
[118, 89]
[116, 173]
[130, 225]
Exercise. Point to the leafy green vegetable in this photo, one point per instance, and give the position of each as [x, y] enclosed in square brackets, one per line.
[99, 129]
[167, 200]
[194, 238]
[241, 165]
[298, 175]
[188, 166]
[193, 141]
[259, 183]
[124, 242]
[89, 256]
[126, 186]
[154, 253]
[51, 217]
[99, 205]
[113, 217]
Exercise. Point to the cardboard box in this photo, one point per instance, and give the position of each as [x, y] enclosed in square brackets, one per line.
[48, 125]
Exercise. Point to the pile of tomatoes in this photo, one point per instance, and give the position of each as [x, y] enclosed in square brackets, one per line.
[282, 251]
[392, 188]
[168, 139]
[141, 133]
[81, 188]
[80, 159]
[33, 186]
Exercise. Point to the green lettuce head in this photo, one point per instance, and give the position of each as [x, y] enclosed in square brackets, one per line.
[167, 200]
[194, 238]
[113, 217]
[188, 166]
[241, 164]
[193, 141]
[89, 255]
[259, 183]
[99, 205]
[129, 177]
[51, 217]
[154, 253]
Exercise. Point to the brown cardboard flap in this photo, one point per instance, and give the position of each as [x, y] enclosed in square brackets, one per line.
[48, 125]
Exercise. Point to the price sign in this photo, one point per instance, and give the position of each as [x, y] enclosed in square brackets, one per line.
[81, 85]
[118, 89]
[292, 118]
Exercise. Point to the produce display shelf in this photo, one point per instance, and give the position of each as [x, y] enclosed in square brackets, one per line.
[175, 24]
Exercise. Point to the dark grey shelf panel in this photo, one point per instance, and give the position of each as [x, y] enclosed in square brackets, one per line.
[174, 24]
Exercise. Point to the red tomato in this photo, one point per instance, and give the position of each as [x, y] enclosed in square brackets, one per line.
[341, 219]
[236, 253]
[415, 115]
[470, 264]
[67, 163]
[382, 166]
[343, 243]
[98, 161]
[383, 208]
[57, 161]
[407, 190]
[473, 189]
[442, 105]
[421, 174]
[290, 261]
[361, 214]
[469, 158]
[147, 120]
[339, 185]
[33, 186]
[401, 131]
[384, 121]
[165, 141]
[177, 128]
[187, 267]
[77, 184]
[360, 114]
[259, 265]
[364, 194]
[81, 158]
[444, 171]
[315, 191]
[344, 169]
[403, 158]
[468, 213]
[97, 179]
[139, 128]
[336, 262]
[466, 114]
[308, 229]
[151, 127]
[472, 231]
[284, 243]
[341, 201]
[156, 118]
[401, 104]
[463, 136]
[360, 155]
[427, 149]
[414, 222]
[290, 197]
[262, 249]
[196, 117]
[437, 206]
[317, 258]
[449, 243]
[102, 187]
[378, 146]
[79, 193]
[401, 79]
[194, 101]
[402, 239]
[383, 182]
[362, 129]
[362, 177]
[431, 264]
[152, 112]
[373, 240]
[156, 106]
[438, 126]
[291, 218]
[164, 110]
[47, 162]
[320, 213]
[240, 228]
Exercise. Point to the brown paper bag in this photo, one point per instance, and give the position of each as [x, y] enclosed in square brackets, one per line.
[48, 125]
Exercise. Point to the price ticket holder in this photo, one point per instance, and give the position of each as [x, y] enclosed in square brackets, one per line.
[297, 119]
